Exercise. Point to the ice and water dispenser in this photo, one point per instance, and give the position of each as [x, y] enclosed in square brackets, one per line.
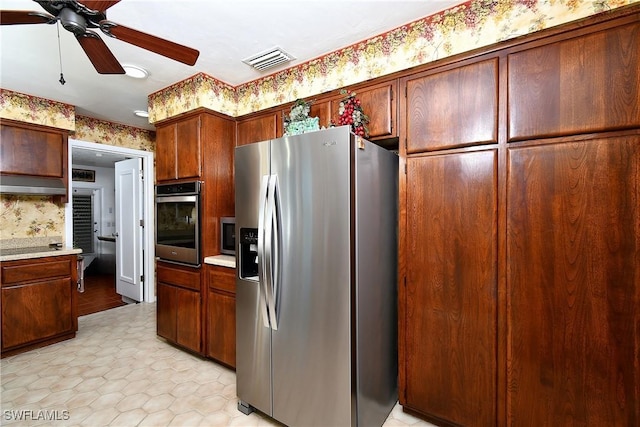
[248, 258]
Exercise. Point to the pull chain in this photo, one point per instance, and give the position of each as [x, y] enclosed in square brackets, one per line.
[62, 81]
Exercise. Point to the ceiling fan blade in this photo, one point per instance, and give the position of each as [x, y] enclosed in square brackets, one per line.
[99, 54]
[163, 47]
[101, 5]
[13, 17]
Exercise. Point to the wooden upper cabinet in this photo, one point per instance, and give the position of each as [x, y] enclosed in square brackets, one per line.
[179, 150]
[581, 85]
[189, 149]
[452, 108]
[321, 110]
[22, 143]
[259, 128]
[166, 152]
[379, 105]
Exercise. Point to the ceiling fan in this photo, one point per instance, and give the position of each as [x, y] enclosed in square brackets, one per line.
[78, 17]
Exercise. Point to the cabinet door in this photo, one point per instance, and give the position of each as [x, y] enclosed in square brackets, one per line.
[166, 168]
[573, 281]
[581, 85]
[166, 310]
[453, 108]
[179, 316]
[449, 300]
[260, 128]
[379, 105]
[321, 110]
[188, 319]
[188, 149]
[20, 146]
[36, 311]
[221, 314]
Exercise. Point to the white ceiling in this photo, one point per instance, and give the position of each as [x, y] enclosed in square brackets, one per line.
[225, 32]
[86, 157]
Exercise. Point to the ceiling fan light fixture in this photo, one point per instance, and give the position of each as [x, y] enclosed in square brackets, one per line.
[268, 59]
[141, 113]
[135, 72]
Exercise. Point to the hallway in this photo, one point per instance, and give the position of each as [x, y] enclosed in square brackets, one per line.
[99, 294]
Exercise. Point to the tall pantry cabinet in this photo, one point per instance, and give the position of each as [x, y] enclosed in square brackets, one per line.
[196, 146]
[520, 231]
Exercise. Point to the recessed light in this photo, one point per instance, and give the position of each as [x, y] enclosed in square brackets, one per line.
[141, 113]
[135, 72]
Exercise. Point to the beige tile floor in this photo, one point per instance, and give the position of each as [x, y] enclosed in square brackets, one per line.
[117, 372]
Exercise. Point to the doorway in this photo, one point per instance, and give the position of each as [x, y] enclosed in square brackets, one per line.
[99, 157]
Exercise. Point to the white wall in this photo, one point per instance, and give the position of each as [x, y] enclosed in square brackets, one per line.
[104, 210]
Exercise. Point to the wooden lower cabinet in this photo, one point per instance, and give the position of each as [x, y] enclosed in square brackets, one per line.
[573, 212]
[221, 314]
[448, 333]
[38, 299]
[519, 249]
[179, 305]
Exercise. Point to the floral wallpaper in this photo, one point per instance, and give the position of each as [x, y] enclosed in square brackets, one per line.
[102, 132]
[25, 108]
[30, 216]
[468, 26]
[25, 217]
[197, 91]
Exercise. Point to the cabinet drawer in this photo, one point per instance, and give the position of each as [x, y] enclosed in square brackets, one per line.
[33, 270]
[179, 277]
[222, 278]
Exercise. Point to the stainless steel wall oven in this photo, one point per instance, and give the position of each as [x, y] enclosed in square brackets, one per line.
[178, 222]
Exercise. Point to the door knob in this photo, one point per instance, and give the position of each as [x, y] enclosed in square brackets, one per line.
[115, 234]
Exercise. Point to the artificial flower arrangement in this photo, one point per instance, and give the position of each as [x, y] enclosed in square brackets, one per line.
[350, 113]
[299, 121]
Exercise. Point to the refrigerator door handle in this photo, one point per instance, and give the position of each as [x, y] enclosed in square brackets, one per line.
[262, 277]
[274, 250]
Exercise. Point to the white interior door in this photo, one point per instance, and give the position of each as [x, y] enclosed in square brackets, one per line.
[128, 234]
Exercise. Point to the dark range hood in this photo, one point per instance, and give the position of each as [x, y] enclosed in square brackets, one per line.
[32, 185]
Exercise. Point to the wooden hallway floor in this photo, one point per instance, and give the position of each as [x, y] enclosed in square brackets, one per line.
[99, 294]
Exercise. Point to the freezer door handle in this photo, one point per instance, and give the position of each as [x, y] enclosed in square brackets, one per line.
[273, 249]
[262, 276]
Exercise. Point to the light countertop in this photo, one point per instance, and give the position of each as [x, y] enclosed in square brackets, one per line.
[221, 260]
[16, 254]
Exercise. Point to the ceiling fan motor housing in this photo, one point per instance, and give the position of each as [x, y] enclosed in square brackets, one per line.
[73, 22]
[79, 19]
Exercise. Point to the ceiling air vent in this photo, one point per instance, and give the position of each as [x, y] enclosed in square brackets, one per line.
[268, 59]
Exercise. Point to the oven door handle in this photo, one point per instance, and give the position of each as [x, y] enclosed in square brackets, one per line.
[174, 199]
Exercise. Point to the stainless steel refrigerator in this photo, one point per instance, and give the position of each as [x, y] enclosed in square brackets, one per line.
[316, 305]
